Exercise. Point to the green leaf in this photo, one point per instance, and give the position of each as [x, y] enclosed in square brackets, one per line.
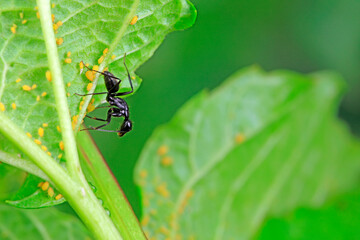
[10, 180]
[32, 196]
[259, 145]
[39, 224]
[336, 220]
[88, 28]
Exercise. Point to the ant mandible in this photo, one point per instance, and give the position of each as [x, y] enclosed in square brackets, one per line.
[118, 106]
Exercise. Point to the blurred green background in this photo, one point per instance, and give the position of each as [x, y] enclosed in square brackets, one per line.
[300, 35]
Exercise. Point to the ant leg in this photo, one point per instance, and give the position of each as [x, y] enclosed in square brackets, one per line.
[108, 120]
[90, 94]
[101, 72]
[129, 77]
[95, 118]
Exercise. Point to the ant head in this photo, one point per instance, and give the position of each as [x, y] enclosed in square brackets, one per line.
[125, 127]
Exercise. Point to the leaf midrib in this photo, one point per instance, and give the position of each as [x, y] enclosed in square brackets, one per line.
[217, 159]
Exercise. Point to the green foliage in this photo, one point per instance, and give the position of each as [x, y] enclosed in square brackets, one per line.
[88, 28]
[39, 224]
[337, 220]
[261, 144]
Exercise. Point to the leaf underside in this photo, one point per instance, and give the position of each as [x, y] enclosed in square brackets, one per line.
[88, 28]
[260, 145]
[39, 224]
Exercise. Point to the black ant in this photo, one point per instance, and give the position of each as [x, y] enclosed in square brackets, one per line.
[118, 106]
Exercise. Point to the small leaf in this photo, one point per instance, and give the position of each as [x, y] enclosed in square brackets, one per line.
[261, 144]
[31, 195]
[84, 30]
[337, 220]
[39, 224]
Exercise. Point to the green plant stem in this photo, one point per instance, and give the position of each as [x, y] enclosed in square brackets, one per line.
[82, 199]
[79, 196]
[107, 188]
[72, 157]
[23, 164]
[112, 47]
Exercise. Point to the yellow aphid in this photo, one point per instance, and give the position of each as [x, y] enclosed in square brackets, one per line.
[67, 60]
[60, 155]
[239, 138]
[90, 108]
[101, 59]
[45, 124]
[143, 173]
[89, 86]
[162, 190]
[55, 27]
[58, 197]
[24, 21]
[53, 5]
[61, 145]
[52, 17]
[41, 132]
[74, 121]
[28, 134]
[105, 51]
[162, 150]
[51, 191]
[26, 88]
[106, 69]
[49, 153]
[68, 84]
[40, 184]
[45, 186]
[113, 57]
[18, 80]
[33, 86]
[48, 75]
[44, 148]
[188, 195]
[13, 29]
[37, 98]
[134, 20]
[164, 230]
[81, 64]
[145, 220]
[38, 15]
[133, 77]
[2, 107]
[58, 128]
[21, 15]
[44, 94]
[59, 23]
[38, 142]
[13, 105]
[68, 94]
[95, 67]
[59, 41]
[68, 54]
[166, 161]
[89, 75]
[82, 103]
[36, 8]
